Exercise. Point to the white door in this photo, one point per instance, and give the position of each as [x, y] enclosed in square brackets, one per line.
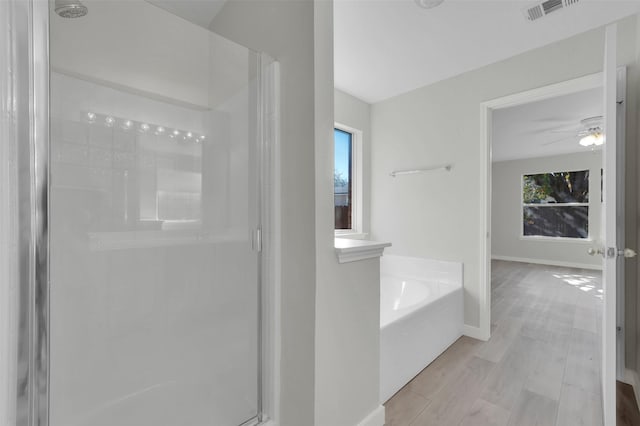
[609, 237]
[613, 221]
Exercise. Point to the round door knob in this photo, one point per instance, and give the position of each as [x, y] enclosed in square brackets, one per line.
[593, 251]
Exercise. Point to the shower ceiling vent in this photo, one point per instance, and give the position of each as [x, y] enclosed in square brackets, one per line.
[546, 7]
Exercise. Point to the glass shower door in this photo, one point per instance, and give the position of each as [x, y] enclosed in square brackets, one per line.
[154, 197]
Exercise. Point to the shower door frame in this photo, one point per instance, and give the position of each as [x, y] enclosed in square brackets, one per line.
[29, 41]
[28, 47]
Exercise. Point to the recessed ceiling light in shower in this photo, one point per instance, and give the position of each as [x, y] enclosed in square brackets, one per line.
[70, 8]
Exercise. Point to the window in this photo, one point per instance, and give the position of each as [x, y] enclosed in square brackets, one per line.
[346, 180]
[556, 204]
[342, 180]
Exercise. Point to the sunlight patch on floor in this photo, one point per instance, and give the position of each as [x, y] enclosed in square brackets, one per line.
[585, 283]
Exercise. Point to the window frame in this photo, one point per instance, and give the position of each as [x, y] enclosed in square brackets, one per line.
[522, 236]
[356, 182]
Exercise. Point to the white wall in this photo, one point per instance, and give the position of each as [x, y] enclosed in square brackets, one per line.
[355, 113]
[347, 295]
[435, 215]
[506, 211]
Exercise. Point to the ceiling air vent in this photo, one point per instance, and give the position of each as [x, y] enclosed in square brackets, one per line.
[546, 7]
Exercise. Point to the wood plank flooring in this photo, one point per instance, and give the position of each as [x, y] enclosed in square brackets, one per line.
[627, 407]
[541, 366]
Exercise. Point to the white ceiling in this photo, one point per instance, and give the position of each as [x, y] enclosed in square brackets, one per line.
[387, 47]
[544, 128]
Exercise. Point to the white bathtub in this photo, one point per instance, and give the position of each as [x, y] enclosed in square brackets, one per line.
[421, 315]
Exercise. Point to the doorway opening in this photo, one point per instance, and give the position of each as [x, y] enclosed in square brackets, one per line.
[489, 109]
[544, 211]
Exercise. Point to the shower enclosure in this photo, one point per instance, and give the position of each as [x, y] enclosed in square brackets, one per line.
[144, 152]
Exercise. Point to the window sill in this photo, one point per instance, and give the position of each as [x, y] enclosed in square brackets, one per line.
[556, 239]
[351, 235]
[352, 250]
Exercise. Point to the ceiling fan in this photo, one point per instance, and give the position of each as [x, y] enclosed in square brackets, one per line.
[590, 132]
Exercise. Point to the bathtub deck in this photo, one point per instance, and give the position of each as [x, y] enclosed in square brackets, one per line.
[541, 366]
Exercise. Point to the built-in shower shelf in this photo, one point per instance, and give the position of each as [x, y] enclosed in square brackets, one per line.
[103, 241]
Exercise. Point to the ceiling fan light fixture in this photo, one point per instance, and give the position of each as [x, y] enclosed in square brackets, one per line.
[428, 4]
[587, 140]
[595, 138]
[599, 139]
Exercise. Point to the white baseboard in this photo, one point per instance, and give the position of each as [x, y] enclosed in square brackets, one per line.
[632, 378]
[375, 418]
[475, 332]
[548, 262]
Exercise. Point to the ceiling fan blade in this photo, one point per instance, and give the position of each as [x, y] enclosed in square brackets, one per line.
[554, 120]
[552, 130]
[558, 141]
[565, 128]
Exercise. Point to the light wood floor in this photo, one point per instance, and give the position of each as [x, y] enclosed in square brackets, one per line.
[541, 366]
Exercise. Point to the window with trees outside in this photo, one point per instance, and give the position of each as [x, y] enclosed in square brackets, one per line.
[556, 204]
[343, 179]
